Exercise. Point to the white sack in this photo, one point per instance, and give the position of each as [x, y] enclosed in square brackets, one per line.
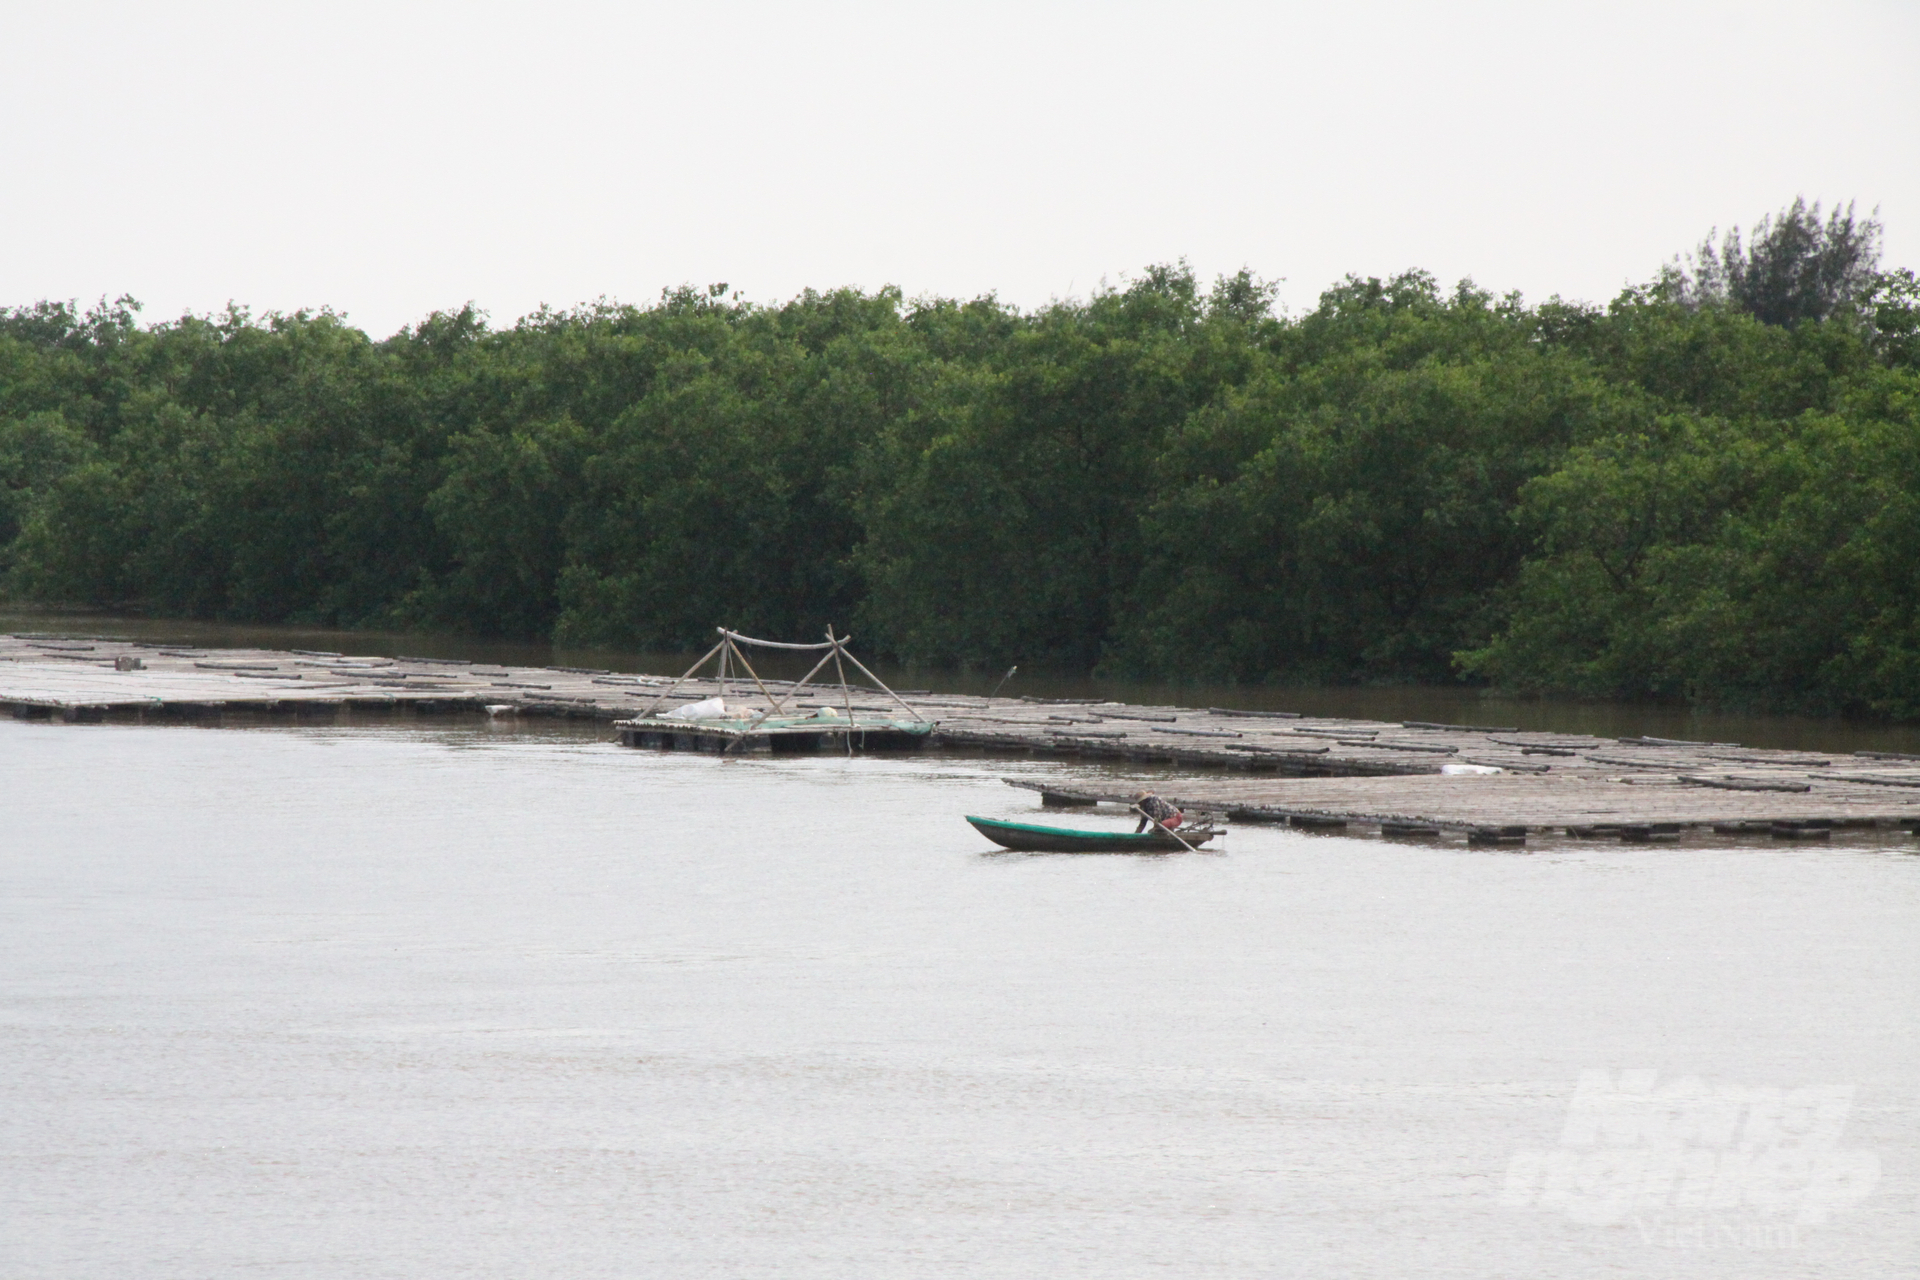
[705, 709]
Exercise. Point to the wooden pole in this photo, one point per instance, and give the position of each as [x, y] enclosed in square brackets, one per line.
[845, 693]
[677, 683]
[758, 683]
[883, 687]
[1169, 830]
[773, 703]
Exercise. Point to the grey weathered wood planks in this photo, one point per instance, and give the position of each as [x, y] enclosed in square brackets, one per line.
[1318, 769]
[1516, 805]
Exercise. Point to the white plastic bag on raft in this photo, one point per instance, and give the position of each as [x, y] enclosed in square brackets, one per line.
[1470, 768]
[705, 709]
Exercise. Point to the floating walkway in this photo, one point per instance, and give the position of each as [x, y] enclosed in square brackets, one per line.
[1509, 809]
[1400, 779]
[87, 680]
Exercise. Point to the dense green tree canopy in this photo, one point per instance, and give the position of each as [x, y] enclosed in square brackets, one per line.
[1708, 489]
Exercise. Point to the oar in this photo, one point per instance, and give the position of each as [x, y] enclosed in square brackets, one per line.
[1169, 830]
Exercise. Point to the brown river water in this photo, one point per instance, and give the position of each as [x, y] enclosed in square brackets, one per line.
[452, 999]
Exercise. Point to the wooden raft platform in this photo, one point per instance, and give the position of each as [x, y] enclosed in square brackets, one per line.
[1509, 808]
[1275, 766]
[78, 679]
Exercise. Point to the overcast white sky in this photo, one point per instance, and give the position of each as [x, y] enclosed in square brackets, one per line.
[390, 159]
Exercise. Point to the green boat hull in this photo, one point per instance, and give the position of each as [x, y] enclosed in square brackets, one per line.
[1027, 838]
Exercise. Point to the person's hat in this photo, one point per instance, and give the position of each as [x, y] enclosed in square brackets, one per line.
[1141, 795]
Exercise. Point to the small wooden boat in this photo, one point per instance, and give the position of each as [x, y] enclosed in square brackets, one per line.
[1027, 838]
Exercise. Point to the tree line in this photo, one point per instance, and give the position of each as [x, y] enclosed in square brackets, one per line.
[1707, 489]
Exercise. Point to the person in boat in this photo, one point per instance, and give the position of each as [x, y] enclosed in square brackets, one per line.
[1153, 809]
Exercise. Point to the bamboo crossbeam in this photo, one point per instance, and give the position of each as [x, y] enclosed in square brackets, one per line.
[738, 638]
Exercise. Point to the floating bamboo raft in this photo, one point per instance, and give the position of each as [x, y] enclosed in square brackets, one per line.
[1310, 771]
[88, 680]
[1508, 809]
[777, 717]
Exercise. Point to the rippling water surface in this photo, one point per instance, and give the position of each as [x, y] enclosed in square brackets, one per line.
[463, 1001]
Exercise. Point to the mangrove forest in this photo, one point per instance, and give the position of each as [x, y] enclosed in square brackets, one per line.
[1707, 488]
